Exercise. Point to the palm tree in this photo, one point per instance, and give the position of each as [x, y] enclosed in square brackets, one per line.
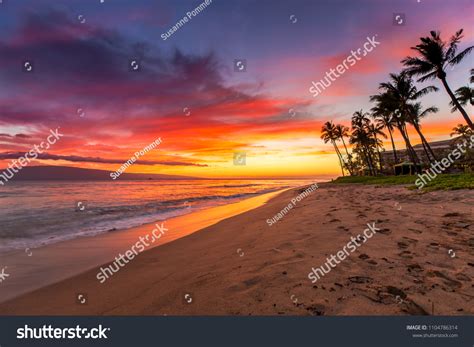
[360, 119]
[386, 102]
[471, 80]
[385, 120]
[374, 130]
[462, 130]
[465, 133]
[361, 137]
[342, 131]
[464, 95]
[399, 91]
[328, 134]
[434, 55]
[416, 115]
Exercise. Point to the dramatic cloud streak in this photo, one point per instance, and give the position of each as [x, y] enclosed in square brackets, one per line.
[75, 158]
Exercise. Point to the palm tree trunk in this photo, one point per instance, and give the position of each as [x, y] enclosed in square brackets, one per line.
[344, 143]
[393, 146]
[411, 152]
[339, 156]
[380, 159]
[424, 143]
[413, 156]
[378, 152]
[373, 163]
[456, 103]
[423, 140]
[369, 161]
[426, 151]
[348, 156]
[366, 157]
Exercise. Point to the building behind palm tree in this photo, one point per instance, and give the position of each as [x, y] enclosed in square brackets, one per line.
[441, 149]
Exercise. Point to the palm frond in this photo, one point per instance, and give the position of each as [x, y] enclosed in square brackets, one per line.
[460, 56]
[432, 75]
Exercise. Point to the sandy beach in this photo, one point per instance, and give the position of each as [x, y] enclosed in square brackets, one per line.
[35, 268]
[421, 261]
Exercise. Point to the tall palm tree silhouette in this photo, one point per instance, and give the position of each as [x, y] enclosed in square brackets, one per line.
[375, 131]
[385, 120]
[342, 131]
[434, 55]
[328, 134]
[417, 113]
[361, 137]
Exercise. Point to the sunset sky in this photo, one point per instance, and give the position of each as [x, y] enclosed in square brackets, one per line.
[81, 52]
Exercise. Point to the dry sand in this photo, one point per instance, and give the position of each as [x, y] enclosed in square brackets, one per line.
[242, 266]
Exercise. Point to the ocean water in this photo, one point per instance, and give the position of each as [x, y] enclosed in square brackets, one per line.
[35, 213]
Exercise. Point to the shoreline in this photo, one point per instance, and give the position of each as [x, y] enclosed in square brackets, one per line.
[242, 266]
[52, 263]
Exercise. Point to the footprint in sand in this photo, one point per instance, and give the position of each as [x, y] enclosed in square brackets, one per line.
[252, 281]
[452, 283]
[461, 225]
[470, 242]
[463, 277]
[412, 308]
[414, 269]
[386, 260]
[433, 245]
[402, 245]
[452, 214]
[316, 309]
[422, 222]
[410, 240]
[360, 279]
[405, 254]
[384, 231]
[406, 242]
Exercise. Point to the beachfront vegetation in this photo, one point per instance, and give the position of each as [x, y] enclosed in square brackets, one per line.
[397, 108]
[462, 130]
[442, 181]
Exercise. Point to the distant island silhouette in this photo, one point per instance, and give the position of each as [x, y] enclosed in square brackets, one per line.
[66, 173]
